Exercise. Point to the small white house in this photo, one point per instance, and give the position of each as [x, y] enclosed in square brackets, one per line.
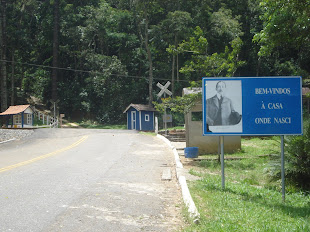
[20, 116]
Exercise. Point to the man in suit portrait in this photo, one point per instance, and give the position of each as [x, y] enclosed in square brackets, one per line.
[220, 110]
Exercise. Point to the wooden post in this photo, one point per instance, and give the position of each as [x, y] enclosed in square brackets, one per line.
[60, 119]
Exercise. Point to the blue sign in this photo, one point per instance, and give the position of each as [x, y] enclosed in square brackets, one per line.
[252, 106]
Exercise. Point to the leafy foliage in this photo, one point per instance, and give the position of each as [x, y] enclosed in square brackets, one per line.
[297, 158]
[110, 49]
[286, 25]
[216, 64]
[178, 104]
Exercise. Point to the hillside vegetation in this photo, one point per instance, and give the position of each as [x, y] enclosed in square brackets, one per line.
[96, 57]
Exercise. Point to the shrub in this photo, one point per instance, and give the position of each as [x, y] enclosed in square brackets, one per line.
[297, 161]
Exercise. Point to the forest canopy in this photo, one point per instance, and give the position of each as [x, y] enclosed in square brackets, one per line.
[96, 57]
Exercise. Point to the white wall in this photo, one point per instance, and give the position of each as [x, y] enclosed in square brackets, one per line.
[207, 144]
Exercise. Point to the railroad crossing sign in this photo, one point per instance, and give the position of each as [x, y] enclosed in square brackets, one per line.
[54, 107]
[164, 89]
[54, 103]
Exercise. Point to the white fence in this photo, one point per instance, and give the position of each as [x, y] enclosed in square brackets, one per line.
[47, 119]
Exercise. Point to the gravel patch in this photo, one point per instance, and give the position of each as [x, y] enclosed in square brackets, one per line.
[6, 134]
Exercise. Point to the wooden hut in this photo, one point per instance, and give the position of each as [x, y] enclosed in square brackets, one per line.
[140, 117]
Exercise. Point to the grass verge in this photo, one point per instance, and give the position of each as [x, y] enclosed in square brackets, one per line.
[249, 201]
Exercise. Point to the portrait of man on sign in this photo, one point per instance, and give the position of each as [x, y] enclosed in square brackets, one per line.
[220, 106]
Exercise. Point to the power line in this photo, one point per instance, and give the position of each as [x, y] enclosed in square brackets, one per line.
[85, 71]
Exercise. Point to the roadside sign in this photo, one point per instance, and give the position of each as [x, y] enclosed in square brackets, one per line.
[167, 118]
[252, 106]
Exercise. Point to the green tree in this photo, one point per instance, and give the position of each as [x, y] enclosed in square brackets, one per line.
[224, 29]
[107, 47]
[3, 51]
[56, 30]
[285, 31]
[178, 104]
[297, 161]
[119, 46]
[175, 28]
[144, 11]
[203, 63]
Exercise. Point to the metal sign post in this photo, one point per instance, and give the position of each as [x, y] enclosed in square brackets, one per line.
[54, 108]
[222, 161]
[164, 90]
[282, 168]
[165, 115]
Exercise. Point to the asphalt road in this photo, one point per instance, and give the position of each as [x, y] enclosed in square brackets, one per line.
[87, 180]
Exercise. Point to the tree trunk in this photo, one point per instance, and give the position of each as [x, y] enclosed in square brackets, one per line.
[55, 50]
[142, 7]
[177, 56]
[173, 65]
[22, 79]
[13, 79]
[149, 57]
[258, 66]
[172, 74]
[178, 76]
[3, 44]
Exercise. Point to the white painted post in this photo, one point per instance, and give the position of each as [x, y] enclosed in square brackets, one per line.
[165, 116]
[156, 125]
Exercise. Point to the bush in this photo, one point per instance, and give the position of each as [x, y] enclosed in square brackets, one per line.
[297, 161]
[298, 158]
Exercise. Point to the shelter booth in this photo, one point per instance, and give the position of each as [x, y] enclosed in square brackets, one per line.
[20, 116]
[193, 127]
[140, 117]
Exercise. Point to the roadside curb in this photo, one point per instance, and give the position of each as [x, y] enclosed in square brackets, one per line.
[187, 198]
[6, 141]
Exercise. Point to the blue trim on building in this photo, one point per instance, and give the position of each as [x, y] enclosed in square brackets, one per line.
[22, 119]
[140, 123]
